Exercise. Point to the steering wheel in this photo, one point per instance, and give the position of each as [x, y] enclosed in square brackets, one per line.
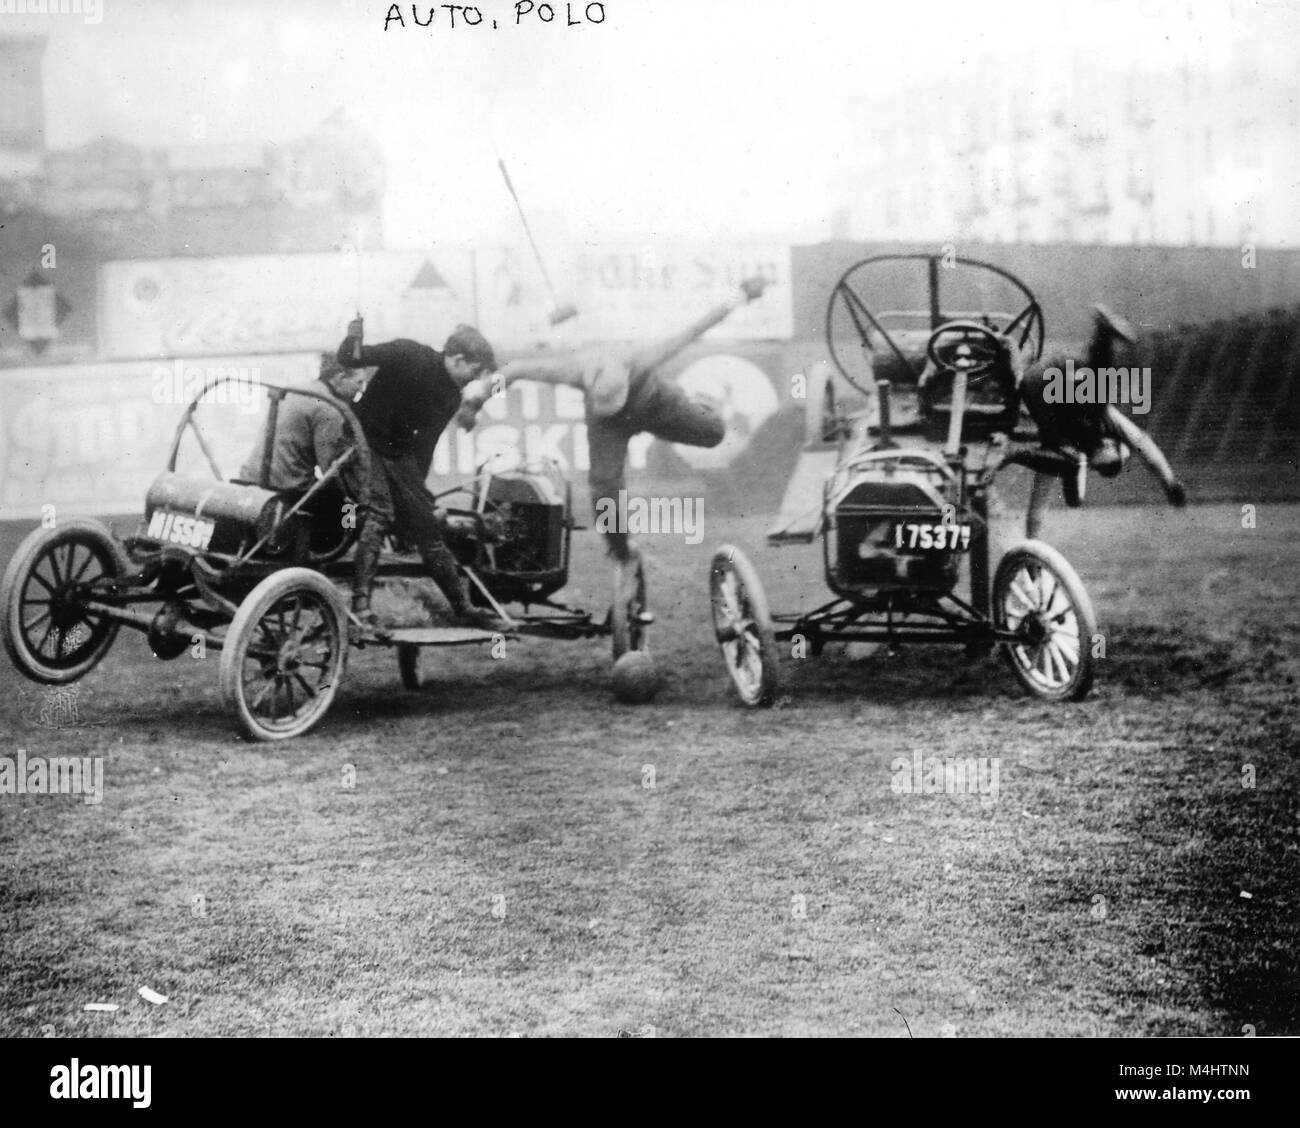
[966, 346]
[856, 329]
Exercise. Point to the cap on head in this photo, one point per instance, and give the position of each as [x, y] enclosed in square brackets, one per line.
[330, 367]
[468, 342]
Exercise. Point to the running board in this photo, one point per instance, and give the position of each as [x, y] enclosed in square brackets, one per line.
[438, 636]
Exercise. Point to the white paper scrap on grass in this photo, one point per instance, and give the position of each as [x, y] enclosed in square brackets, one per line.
[151, 996]
[109, 1007]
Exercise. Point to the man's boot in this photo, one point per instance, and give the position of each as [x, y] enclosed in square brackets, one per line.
[441, 564]
[370, 542]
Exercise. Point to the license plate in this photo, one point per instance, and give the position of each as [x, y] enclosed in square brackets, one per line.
[181, 528]
[927, 537]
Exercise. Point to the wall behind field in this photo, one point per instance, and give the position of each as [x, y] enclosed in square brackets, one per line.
[1157, 288]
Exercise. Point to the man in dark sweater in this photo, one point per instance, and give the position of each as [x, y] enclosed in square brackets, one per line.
[410, 399]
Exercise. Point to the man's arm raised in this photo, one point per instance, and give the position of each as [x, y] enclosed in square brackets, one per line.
[569, 370]
[655, 355]
[353, 354]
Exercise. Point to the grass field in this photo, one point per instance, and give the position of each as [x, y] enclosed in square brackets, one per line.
[501, 865]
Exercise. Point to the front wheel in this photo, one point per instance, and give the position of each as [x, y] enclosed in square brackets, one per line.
[743, 626]
[284, 654]
[1039, 596]
[48, 633]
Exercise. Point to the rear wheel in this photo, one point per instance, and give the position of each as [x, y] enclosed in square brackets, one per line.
[629, 616]
[284, 654]
[48, 633]
[743, 626]
[1037, 594]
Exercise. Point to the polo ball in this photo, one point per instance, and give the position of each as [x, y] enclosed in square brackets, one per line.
[636, 679]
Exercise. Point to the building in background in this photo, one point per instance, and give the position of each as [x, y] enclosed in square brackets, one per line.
[67, 212]
[22, 109]
[1196, 143]
[312, 194]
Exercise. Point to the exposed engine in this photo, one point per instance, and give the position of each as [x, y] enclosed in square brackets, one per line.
[517, 534]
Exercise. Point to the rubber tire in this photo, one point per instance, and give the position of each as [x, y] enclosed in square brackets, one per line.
[728, 558]
[28, 554]
[1068, 580]
[625, 634]
[256, 604]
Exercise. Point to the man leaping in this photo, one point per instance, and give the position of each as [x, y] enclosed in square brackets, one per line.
[1088, 436]
[623, 396]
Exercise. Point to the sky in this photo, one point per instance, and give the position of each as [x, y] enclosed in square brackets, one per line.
[671, 120]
